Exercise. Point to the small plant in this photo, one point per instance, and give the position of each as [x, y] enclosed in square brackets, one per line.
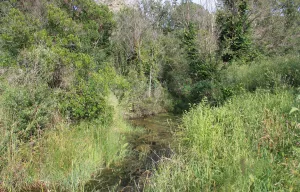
[296, 109]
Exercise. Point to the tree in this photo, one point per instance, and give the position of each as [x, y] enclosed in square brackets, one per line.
[234, 30]
[128, 40]
[276, 26]
[196, 64]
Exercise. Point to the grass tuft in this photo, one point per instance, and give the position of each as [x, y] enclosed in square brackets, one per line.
[249, 144]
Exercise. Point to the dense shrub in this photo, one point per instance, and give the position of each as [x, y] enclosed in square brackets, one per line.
[86, 102]
[28, 110]
[16, 31]
[204, 89]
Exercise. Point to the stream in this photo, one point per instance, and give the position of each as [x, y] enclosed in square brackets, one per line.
[148, 148]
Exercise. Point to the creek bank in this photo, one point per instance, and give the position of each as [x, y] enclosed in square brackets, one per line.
[138, 113]
[148, 148]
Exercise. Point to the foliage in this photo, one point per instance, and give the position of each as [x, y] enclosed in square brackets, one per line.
[65, 158]
[275, 26]
[28, 110]
[198, 69]
[234, 38]
[86, 102]
[67, 67]
[96, 21]
[16, 31]
[59, 23]
[266, 73]
[52, 62]
[250, 143]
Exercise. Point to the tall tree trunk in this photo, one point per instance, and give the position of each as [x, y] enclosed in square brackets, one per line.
[150, 82]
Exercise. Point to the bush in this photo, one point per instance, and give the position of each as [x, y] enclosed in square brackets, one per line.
[86, 102]
[28, 110]
[209, 90]
[212, 91]
[16, 31]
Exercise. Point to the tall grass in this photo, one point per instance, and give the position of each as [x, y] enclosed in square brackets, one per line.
[65, 158]
[249, 144]
[266, 73]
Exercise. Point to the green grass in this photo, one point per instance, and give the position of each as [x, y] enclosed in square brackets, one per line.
[249, 144]
[64, 158]
[266, 73]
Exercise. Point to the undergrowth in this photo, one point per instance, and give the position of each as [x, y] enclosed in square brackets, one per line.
[63, 158]
[267, 73]
[249, 144]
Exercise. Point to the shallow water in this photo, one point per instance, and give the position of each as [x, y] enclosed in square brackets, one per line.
[147, 149]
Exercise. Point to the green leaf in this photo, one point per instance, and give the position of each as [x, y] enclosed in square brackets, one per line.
[294, 109]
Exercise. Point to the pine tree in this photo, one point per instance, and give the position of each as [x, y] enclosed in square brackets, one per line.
[234, 38]
[198, 69]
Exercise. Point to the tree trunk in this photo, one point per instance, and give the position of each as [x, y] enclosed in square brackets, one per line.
[150, 82]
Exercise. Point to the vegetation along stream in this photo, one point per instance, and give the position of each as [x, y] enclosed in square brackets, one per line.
[149, 146]
[72, 72]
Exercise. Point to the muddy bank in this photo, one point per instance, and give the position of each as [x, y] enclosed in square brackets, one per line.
[147, 150]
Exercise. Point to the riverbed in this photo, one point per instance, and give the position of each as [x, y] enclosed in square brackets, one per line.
[147, 148]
